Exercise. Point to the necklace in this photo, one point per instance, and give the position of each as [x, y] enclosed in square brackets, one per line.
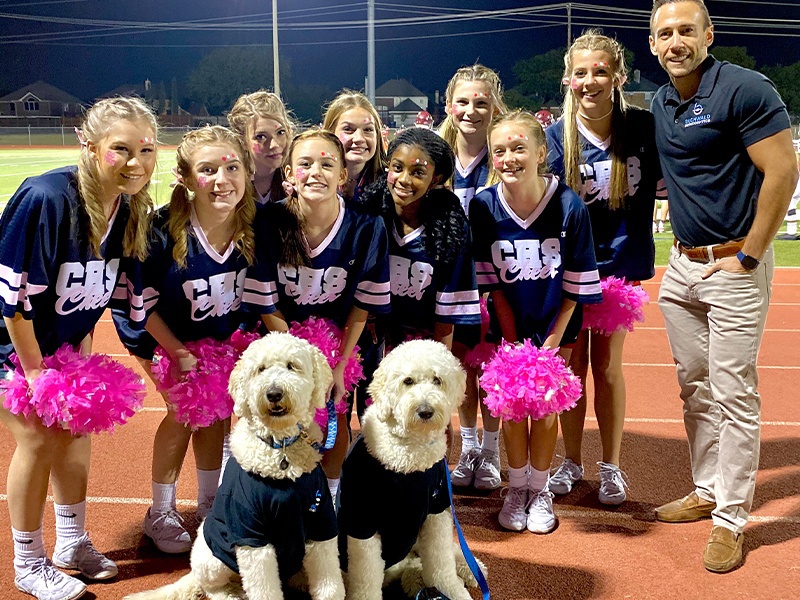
[588, 118]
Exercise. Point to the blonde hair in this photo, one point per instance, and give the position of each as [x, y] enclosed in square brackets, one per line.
[180, 203]
[265, 105]
[99, 119]
[535, 131]
[594, 41]
[448, 129]
[347, 100]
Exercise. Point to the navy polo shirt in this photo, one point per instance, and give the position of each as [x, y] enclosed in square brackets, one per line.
[712, 183]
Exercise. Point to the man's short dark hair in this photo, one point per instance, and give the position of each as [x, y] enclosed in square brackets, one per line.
[700, 3]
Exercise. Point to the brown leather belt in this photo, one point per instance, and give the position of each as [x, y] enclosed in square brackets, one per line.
[708, 254]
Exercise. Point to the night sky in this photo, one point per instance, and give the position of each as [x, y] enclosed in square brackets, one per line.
[88, 66]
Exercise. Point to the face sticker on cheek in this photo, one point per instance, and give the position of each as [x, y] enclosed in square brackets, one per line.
[301, 174]
[110, 158]
[391, 177]
[457, 110]
[344, 138]
[574, 84]
[256, 148]
[202, 181]
[498, 162]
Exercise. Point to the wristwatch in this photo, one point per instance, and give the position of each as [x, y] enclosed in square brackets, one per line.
[748, 262]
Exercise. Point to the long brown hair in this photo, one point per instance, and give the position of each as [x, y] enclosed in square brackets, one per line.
[595, 41]
[180, 203]
[294, 251]
[99, 119]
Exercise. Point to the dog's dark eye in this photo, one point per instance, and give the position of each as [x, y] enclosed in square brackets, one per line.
[408, 381]
[437, 381]
[261, 369]
[291, 366]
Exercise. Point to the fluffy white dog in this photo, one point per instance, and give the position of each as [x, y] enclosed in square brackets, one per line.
[273, 516]
[395, 506]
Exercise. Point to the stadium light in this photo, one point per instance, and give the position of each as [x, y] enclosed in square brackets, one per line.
[276, 77]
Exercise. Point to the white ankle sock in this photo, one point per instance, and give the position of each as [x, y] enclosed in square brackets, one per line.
[469, 439]
[27, 544]
[537, 480]
[207, 483]
[70, 522]
[226, 454]
[164, 496]
[518, 478]
[333, 486]
[491, 441]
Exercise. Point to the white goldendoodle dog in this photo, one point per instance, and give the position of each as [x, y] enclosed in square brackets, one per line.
[394, 518]
[273, 516]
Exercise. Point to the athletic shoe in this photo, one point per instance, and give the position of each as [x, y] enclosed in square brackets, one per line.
[566, 476]
[81, 555]
[541, 518]
[513, 515]
[203, 508]
[660, 227]
[464, 473]
[787, 236]
[42, 580]
[167, 531]
[613, 482]
[487, 473]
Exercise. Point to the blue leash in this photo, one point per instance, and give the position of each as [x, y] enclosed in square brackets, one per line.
[333, 425]
[473, 564]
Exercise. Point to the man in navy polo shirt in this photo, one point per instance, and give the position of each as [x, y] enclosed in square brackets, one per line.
[726, 152]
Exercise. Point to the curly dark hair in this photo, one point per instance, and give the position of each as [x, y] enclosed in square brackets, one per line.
[446, 227]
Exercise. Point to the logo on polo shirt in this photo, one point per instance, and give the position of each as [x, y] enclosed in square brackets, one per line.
[699, 118]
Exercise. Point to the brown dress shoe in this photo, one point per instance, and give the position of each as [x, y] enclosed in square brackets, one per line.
[723, 552]
[688, 509]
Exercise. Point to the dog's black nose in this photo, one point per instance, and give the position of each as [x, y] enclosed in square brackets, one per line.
[425, 412]
[274, 394]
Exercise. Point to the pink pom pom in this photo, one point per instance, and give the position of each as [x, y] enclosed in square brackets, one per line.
[484, 311]
[81, 394]
[325, 335]
[524, 381]
[241, 339]
[480, 354]
[621, 307]
[200, 397]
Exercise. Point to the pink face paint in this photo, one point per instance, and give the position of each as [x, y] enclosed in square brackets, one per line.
[498, 162]
[328, 155]
[257, 149]
[391, 177]
[228, 157]
[575, 85]
[301, 174]
[202, 181]
[110, 158]
[457, 110]
[146, 140]
[344, 138]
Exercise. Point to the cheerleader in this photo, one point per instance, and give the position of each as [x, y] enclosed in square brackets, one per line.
[263, 122]
[474, 96]
[62, 237]
[605, 151]
[432, 273]
[192, 285]
[320, 258]
[534, 253]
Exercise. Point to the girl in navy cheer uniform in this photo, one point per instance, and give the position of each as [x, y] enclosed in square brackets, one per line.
[534, 253]
[63, 236]
[605, 151]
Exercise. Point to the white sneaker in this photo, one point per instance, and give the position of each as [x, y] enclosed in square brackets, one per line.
[512, 515]
[42, 580]
[167, 531]
[464, 472]
[487, 473]
[566, 476]
[541, 518]
[82, 556]
[613, 482]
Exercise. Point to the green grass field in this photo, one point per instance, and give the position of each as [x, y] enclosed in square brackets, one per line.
[16, 165]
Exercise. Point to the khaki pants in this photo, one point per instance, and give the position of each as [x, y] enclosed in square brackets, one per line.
[715, 328]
